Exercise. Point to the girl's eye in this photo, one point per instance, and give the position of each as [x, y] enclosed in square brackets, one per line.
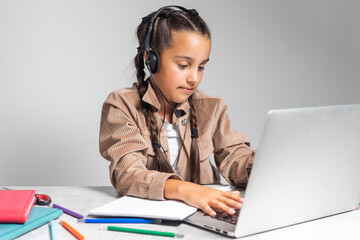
[201, 68]
[182, 65]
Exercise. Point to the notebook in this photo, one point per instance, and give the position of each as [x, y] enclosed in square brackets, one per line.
[144, 208]
[38, 216]
[15, 205]
[306, 167]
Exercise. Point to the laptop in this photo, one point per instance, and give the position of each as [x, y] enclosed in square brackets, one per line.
[306, 167]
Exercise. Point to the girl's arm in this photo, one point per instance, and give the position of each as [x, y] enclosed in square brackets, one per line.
[123, 144]
[204, 198]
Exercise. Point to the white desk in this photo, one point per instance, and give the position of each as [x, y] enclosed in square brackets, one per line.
[83, 199]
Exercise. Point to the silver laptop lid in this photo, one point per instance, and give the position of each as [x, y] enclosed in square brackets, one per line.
[307, 166]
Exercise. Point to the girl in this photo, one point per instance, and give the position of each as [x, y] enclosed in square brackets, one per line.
[159, 134]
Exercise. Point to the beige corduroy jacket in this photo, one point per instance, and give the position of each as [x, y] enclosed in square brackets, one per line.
[125, 142]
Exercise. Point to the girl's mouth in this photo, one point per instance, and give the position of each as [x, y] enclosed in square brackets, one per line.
[187, 90]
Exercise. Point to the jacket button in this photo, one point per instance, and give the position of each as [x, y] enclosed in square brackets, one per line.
[184, 122]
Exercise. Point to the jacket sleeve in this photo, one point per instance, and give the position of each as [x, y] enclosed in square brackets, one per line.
[232, 152]
[121, 143]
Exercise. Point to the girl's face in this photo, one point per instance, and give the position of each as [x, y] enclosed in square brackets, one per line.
[182, 65]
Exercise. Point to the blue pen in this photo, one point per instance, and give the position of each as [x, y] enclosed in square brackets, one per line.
[52, 230]
[119, 220]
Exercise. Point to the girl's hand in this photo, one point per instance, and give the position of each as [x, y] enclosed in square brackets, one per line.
[204, 198]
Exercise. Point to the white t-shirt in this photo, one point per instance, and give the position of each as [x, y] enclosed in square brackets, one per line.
[172, 132]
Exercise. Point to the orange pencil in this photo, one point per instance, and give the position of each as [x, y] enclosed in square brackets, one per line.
[72, 230]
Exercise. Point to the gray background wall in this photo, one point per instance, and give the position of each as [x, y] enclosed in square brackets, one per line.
[60, 59]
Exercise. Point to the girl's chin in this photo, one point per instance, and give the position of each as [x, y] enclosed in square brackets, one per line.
[180, 100]
[182, 97]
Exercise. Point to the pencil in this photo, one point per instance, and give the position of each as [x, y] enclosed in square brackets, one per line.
[52, 230]
[68, 211]
[141, 231]
[119, 220]
[72, 230]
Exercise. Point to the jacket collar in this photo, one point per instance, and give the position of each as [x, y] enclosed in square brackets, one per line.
[151, 98]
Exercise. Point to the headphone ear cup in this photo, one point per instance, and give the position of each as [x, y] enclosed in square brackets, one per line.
[154, 61]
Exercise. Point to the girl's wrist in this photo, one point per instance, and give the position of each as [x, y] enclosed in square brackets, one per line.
[176, 189]
[171, 189]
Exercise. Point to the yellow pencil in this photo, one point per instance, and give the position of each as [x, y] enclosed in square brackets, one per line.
[72, 230]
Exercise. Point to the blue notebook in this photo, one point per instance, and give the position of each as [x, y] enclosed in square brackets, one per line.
[38, 217]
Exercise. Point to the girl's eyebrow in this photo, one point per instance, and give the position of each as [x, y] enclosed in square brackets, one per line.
[190, 58]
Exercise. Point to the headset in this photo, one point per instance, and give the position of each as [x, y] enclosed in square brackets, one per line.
[152, 57]
[152, 61]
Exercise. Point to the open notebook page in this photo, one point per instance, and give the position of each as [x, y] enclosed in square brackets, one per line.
[137, 207]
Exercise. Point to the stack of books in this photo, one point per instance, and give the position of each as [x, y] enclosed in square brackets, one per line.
[18, 215]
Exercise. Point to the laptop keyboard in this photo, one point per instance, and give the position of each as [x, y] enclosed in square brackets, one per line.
[223, 216]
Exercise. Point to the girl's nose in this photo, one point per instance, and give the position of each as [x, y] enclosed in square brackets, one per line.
[193, 77]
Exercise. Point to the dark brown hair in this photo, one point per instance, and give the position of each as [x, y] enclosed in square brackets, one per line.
[160, 40]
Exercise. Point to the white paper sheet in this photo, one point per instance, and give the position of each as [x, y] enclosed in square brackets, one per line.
[137, 207]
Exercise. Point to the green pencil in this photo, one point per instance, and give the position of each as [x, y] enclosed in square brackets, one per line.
[141, 231]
